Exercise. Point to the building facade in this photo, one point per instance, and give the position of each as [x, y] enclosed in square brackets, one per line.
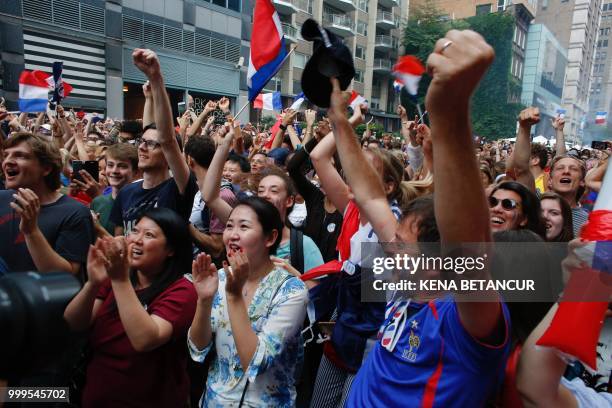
[457, 9]
[203, 48]
[543, 76]
[371, 29]
[575, 24]
[600, 99]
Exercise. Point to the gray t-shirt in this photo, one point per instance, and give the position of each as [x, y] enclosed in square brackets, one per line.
[66, 224]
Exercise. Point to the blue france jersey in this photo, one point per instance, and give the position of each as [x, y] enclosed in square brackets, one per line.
[434, 363]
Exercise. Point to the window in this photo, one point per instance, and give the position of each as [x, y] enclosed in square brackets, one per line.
[359, 52]
[362, 28]
[358, 76]
[299, 60]
[363, 5]
[500, 5]
[483, 9]
[230, 4]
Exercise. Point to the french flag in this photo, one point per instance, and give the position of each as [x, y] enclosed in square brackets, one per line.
[408, 71]
[356, 100]
[33, 93]
[600, 118]
[576, 326]
[267, 47]
[397, 86]
[269, 101]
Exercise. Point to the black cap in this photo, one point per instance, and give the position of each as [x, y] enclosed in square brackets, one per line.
[330, 58]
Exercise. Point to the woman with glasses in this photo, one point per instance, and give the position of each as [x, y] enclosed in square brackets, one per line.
[512, 207]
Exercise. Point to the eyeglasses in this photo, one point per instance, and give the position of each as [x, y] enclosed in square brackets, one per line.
[149, 144]
[507, 204]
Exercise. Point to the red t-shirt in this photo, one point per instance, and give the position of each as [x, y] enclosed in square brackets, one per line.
[118, 375]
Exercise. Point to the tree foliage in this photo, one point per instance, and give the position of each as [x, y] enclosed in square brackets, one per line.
[492, 115]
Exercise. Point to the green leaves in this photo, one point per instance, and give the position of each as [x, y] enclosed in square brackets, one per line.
[492, 115]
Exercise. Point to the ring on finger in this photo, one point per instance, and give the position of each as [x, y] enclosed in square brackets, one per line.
[446, 45]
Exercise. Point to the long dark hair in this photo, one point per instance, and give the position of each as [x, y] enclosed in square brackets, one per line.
[567, 231]
[178, 239]
[267, 215]
[530, 206]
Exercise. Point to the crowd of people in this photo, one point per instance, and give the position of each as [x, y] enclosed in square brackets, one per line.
[222, 263]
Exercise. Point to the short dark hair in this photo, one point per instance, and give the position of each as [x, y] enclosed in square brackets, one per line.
[530, 206]
[423, 209]
[201, 149]
[242, 162]
[267, 215]
[538, 150]
[277, 171]
[47, 154]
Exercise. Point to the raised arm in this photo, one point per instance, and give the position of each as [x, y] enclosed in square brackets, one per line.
[558, 124]
[540, 371]
[362, 178]
[518, 162]
[311, 116]
[461, 209]
[148, 114]
[335, 188]
[212, 183]
[595, 176]
[196, 126]
[148, 62]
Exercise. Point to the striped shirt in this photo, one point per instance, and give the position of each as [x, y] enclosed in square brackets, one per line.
[579, 218]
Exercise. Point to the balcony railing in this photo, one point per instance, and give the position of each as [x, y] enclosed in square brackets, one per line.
[290, 31]
[382, 64]
[387, 18]
[338, 20]
[385, 41]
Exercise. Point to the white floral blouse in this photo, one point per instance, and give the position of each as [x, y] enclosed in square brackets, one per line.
[277, 313]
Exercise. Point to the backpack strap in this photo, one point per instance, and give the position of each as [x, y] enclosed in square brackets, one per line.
[296, 249]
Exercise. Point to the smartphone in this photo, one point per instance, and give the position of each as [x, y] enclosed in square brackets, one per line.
[90, 166]
[596, 144]
[181, 108]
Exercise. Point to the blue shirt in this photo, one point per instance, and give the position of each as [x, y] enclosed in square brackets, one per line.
[435, 363]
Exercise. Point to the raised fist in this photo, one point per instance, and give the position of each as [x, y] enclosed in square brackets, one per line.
[148, 62]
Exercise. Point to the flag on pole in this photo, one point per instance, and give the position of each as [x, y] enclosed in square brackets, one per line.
[267, 47]
[408, 71]
[600, 118]
[268, 101]
[33, 93]
[397, 86]
[356, 100]
[48, 78]
[561, 113]
[299, 100]
[60, 88]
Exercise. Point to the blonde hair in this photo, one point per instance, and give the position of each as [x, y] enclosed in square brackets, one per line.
[416, 188]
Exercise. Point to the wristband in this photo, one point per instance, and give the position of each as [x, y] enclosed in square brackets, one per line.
[283, 127]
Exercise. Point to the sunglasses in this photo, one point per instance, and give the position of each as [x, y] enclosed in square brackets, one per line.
[506, 203]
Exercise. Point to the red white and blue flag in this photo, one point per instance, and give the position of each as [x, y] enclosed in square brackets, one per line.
[408, 71]
[34, 87]
[269, 101]
[600, 118]
[356, 100]
[267, 47]
[33, 93]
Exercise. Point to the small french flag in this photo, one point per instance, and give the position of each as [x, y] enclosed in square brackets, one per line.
[397, 86]
[600, 118]
[356, 100]
[269, 101]
[33, 93]
[408, 71]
